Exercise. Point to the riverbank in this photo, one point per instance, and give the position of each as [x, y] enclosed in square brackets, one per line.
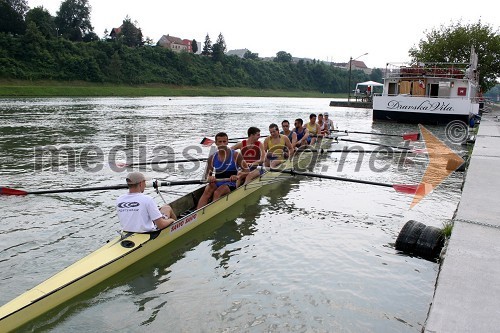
[19, 88]
[467, 295]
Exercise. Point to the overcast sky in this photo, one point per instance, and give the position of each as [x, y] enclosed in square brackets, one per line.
[324, 30]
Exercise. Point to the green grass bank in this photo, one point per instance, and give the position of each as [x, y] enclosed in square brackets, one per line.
[18, 88]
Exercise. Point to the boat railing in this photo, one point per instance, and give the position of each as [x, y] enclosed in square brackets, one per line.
[439, 70]
[474, 99]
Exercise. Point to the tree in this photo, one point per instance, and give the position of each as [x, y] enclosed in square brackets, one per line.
[148, 41]
[19, 6]
[73, 19]
[12, 16]
[207, 46]
[453, 44]
[283, 56]
[130, 34]
[376, 75]
[493, 93]
[222, 43]
[249, 55]
[217, 52]
[90, 37]
[43, 20]
[115, 67]
[194, 46]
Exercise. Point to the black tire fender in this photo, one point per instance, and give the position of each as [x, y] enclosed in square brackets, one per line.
[430, 243]
[409, 235]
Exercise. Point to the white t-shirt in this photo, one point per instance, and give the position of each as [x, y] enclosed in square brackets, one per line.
[137, 212]
[330, 125]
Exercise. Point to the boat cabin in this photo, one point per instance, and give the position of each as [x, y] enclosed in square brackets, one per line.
[432, 93]
[432, 80]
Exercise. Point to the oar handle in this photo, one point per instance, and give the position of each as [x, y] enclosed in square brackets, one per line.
[186, 182]
[181, 182]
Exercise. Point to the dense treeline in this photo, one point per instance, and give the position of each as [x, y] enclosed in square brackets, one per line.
[35, 45]
[32, 56]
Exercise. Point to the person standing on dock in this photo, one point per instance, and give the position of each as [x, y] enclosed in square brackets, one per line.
[138, 212]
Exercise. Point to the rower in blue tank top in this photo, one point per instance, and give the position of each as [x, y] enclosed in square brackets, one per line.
[225, 164]
[225, 169]
[301, 132]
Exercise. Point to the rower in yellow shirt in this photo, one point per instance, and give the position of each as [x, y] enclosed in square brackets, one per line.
[313, 129]
[274, 145]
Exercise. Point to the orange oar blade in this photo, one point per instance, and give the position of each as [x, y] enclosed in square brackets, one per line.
[11, 191]
[411, 136]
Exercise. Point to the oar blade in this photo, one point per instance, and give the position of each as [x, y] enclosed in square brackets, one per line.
[411, 136]
[207, 142]
[407, 189]
[11, 191]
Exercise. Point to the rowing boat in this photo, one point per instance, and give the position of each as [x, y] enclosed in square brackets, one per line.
[128, 248]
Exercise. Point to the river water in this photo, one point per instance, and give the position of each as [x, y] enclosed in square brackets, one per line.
[302, 255]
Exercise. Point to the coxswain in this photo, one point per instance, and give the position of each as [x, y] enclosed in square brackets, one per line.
[329, 123]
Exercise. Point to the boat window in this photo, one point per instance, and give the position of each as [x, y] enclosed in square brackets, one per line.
[393, 89]
[444, 89]
[434, 90]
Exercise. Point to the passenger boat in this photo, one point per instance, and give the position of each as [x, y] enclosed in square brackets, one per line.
[128, 248]
[429, 93]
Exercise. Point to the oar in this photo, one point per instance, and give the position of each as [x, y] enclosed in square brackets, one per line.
[208, 142]
[405, 136]
[413, 151]
[202, 159]
[12, 191]
[408, 189]
[374, 143]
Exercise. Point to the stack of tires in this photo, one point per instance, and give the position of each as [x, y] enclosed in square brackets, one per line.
[418, 239]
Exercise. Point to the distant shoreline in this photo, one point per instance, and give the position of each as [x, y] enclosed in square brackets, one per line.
[47, 88]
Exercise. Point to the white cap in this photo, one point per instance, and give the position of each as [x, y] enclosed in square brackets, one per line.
[135, 178]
